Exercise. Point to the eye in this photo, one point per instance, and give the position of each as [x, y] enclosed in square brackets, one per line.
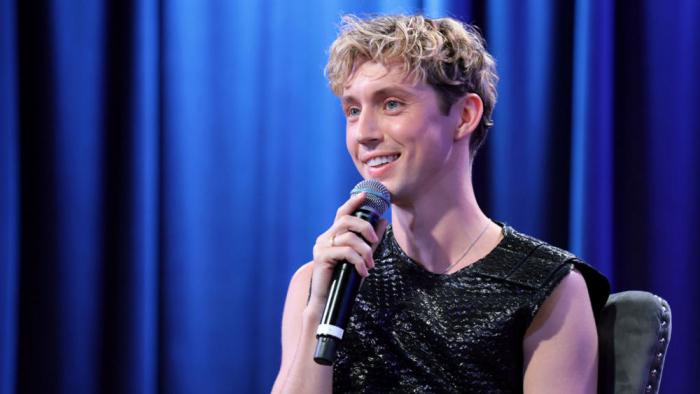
[352, 112]
[392, 105]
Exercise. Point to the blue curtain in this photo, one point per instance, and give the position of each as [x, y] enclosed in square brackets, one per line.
[165, 166]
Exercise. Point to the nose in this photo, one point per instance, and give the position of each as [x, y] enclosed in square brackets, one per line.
[367, 129]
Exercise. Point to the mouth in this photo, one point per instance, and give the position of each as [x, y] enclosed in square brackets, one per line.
[380, 161]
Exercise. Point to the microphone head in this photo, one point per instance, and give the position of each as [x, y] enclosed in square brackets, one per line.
[378, 197]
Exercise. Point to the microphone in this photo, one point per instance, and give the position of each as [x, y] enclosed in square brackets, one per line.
[345, 282]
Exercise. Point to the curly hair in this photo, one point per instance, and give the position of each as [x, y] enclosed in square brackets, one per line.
[444, 53]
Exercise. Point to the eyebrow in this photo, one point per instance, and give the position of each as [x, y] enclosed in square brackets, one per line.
[392, 90]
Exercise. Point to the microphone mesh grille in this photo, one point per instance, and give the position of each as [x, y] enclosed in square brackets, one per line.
[378, 197]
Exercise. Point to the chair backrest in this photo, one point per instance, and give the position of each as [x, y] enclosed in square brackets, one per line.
[634, 329]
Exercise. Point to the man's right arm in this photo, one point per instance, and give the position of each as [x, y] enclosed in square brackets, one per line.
[299, 373]
[306, 298]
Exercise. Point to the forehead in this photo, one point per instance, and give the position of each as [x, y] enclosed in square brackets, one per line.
[370, 76]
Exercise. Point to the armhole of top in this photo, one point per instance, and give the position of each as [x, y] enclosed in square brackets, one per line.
[546, 290]
[597, 285]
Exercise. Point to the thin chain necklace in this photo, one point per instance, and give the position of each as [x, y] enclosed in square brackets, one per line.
[466, 252]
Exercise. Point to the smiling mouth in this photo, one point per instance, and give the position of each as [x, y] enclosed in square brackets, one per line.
[381, 160]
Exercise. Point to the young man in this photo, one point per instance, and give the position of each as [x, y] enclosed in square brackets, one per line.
[451, 301]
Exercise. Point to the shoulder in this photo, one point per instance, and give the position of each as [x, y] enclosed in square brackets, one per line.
[301, 282]
[532, 263]
[584, 276]
[570, 294]
[527, 261]
[297, 294]
[303, 272]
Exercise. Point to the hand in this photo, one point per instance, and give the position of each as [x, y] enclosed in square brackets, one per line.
[344, 241]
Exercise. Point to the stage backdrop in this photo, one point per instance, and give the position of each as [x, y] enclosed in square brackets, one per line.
[165, 167]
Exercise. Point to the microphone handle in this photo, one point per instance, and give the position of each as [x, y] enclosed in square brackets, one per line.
[342, 292]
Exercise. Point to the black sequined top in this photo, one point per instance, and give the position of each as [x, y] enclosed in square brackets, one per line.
[413, 331]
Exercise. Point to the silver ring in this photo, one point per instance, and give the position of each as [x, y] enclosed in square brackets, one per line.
[333, 240]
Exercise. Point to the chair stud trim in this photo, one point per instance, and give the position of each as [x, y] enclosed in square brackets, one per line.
[662, 345]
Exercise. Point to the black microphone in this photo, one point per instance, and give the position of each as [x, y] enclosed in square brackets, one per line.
[345, 282]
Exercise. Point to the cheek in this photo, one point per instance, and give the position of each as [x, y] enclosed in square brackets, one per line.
[416, 133]
[432, 143]
[404, 131]
[351, 145]
[349, 141]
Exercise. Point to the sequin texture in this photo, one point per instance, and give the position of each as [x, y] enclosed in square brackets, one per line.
[413, 331]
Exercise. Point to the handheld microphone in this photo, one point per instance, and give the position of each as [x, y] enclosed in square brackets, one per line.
[345, 282]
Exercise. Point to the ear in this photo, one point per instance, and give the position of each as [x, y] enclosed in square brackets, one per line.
[471, 109]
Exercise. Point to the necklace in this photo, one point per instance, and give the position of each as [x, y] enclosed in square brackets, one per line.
[466, 252]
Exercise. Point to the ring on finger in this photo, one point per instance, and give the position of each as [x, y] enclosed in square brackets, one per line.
[333, 240]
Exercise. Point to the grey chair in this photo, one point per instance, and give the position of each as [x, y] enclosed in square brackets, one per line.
[634, 329]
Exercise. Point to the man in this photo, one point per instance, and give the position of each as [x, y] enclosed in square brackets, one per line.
[451, 301]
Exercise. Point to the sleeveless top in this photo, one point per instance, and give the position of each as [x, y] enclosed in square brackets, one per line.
[413, 331]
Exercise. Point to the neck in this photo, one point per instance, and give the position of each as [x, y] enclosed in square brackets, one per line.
[436, 227]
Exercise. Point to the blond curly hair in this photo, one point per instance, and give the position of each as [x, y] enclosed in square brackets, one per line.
[444, 53]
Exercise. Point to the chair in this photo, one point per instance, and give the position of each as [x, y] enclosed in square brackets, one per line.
[634, 329]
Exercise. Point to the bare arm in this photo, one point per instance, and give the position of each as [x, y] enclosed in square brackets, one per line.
[298, 371]
[561, 344]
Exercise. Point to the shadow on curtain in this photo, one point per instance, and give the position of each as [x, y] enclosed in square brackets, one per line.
[166, 166]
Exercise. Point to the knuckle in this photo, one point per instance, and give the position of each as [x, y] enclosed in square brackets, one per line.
[359, 263]
[339, 221]
[352, 254]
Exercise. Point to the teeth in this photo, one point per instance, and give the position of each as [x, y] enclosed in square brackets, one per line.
[378, 161]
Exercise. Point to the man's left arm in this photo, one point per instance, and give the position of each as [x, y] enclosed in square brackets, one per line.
[561, 344]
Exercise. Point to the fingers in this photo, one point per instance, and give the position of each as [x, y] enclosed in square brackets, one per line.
[347, 253]
[348, 247]
[358, 245]
[356, 225]
[350, 238]
[350, 205]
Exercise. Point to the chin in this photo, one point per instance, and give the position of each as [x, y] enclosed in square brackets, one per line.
[398, 192]
[404, 193]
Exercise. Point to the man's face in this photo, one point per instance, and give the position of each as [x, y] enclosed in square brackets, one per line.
[395, 131]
